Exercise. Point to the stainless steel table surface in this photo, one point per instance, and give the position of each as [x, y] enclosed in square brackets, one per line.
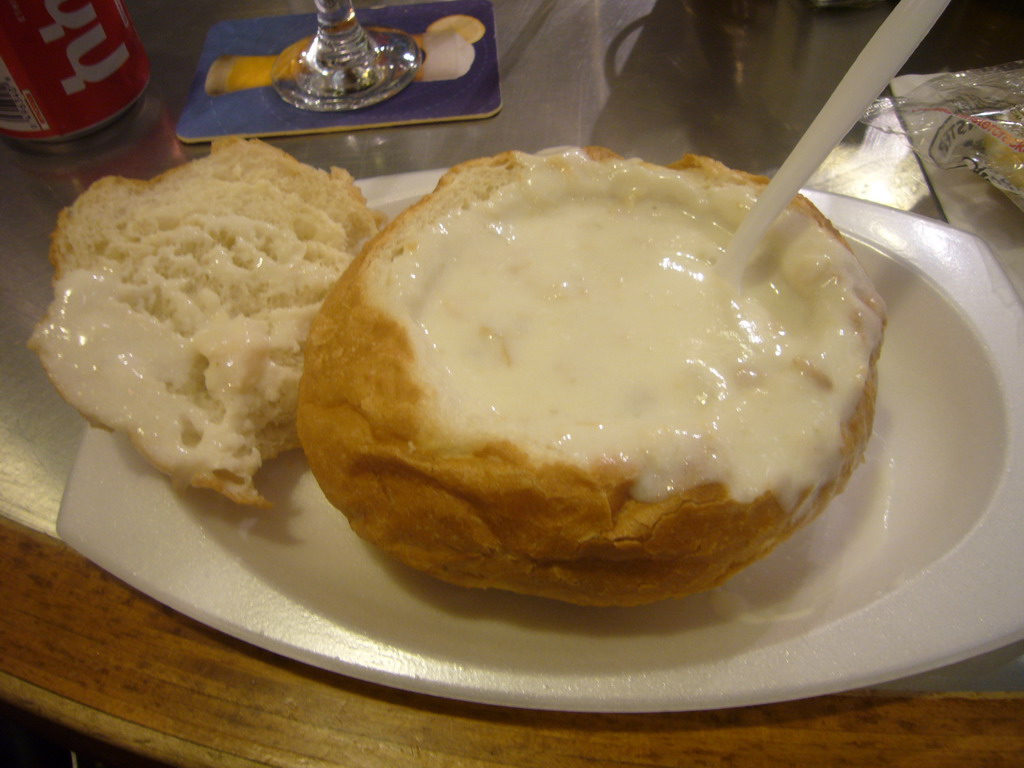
[735, 79]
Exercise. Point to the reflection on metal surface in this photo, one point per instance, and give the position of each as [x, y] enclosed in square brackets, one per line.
[738, 80]
[872, 164]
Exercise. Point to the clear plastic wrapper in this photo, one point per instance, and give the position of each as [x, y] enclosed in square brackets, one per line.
[971, 119]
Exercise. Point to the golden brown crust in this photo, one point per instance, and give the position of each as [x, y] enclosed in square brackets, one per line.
[488, 515]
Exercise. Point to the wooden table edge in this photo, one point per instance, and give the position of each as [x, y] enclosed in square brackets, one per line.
[47, 576]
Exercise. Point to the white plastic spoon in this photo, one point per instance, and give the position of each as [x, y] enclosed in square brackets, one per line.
[887, 51]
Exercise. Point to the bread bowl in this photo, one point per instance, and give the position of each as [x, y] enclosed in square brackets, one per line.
[533, 380]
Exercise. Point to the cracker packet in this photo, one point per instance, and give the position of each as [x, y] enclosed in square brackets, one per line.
[971, 119]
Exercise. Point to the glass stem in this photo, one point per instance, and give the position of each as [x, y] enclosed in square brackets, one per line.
[343, 46]
[345, 66]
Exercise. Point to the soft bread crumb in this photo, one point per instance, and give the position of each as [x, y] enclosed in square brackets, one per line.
[182, 304]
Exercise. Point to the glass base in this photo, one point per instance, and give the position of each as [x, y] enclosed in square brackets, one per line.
[305, 80]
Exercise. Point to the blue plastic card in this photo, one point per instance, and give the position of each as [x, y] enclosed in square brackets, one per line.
[231, 94]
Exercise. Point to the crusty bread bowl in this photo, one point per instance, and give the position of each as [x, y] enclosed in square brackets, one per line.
[431, 405]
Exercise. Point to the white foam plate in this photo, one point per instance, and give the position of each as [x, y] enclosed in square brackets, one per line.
[917, 565]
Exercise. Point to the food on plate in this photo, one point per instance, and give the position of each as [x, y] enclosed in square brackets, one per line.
[534, 380]
[182, 303]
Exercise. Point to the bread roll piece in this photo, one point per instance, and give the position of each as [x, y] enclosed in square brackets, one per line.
[182, 304]
[534, 380]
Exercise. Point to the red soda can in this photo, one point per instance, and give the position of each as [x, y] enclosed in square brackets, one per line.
[67, 67]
